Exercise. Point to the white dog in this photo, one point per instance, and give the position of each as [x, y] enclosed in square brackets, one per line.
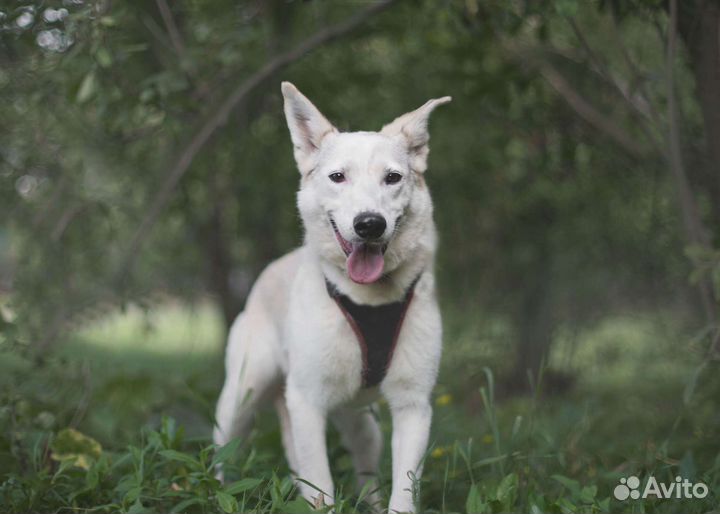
[350, 315]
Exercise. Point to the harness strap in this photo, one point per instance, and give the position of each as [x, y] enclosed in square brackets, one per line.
[377, 329]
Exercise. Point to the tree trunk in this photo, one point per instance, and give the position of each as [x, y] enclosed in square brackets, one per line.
[535, 327]
[217, 247]
[217, 250]
[699, 27]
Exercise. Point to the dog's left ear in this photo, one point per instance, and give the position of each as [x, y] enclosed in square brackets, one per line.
[308, 127]
[413, 128]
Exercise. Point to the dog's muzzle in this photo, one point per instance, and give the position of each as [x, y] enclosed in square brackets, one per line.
[365, 259]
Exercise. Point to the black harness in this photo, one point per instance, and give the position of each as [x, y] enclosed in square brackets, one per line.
[377, 328]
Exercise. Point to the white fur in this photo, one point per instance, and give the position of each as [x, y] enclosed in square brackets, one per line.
[292, 345]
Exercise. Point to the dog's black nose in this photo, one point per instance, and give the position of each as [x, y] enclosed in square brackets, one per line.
[369, 225]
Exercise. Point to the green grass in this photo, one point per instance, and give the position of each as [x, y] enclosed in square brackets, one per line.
[173, 331]
[138, 391]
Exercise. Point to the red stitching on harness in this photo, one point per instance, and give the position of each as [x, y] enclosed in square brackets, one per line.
[399, 326]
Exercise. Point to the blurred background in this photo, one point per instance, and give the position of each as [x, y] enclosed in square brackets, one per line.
[146, 178]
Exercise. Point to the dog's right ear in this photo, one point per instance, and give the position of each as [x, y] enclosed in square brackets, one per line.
[308, 127]
[412, 128]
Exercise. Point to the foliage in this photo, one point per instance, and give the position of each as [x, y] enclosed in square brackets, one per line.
[544, 453]
[570, 259]
[154, 477]
[99, 124]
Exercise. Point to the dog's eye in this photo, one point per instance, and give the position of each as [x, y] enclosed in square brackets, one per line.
[337, 177]
[393, 178]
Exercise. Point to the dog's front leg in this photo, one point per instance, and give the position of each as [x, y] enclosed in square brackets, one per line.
[411, 428]
[308, 422]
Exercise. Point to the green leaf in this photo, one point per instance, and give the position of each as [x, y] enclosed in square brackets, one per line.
[224, 453]
[566, 505]
[103, 57]
[133, 495]
[507, 490]
[183, 505]
[588, 493]
[146, 95]
[92, 479]
[227, 502]
[297, 506]
[87, 88]
[242, 485]
[180, 457]
[139, 508]
[474, 502]
[572, 485]
[490, 460]
[605, 505]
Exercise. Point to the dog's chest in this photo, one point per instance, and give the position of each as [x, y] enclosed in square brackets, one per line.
[376, 329]
[340, 349]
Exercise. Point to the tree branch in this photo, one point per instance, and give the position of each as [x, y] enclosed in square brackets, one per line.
[638, 104]
[220, 114]
[637, 74]
[171, 27]
[588, 112]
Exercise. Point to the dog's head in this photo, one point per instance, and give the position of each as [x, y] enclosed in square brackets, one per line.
[362, 198]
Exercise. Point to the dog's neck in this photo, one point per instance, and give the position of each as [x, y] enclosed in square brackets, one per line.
[392, 287]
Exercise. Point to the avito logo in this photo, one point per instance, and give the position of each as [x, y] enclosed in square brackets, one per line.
[681, 488]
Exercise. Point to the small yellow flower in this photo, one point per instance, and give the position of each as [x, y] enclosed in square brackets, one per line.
[443, 400]
[487, 439]
[439, 452]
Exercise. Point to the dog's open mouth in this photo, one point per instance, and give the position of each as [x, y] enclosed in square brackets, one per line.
[365, 261]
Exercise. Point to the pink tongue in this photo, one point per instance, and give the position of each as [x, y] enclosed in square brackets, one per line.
[365, 263]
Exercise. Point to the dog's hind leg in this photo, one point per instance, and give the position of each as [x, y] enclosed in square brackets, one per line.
[252, 374]
[286, 431]
[361, 435]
